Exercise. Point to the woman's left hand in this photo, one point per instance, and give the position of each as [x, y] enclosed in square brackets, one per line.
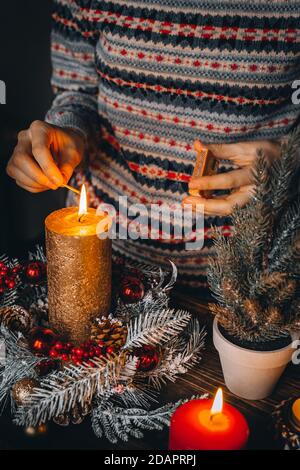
[240, 181]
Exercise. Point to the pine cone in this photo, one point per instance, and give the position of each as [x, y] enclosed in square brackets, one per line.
[16, 318]
[109, 332]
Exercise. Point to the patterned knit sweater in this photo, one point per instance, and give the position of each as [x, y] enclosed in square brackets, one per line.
[150, 76]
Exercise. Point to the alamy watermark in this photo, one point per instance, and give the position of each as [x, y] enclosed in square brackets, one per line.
[296, 93]
[154, 221]
[296, 354]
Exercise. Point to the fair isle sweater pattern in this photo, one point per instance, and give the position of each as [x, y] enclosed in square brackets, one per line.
[149, 77]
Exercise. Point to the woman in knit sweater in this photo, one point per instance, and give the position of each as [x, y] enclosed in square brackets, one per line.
[143, 80]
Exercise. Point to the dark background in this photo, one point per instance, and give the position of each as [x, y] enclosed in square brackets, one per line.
[25, 68]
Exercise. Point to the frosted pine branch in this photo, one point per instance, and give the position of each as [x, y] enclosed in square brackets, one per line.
[61, 391]
[255, 275]
[19, 362]
[116, 423]
[156, 327]
[179, 356]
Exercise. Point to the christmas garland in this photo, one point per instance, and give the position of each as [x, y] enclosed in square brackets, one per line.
[116, 376]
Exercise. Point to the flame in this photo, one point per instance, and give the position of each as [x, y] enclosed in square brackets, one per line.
[82, 201]
[217, 405]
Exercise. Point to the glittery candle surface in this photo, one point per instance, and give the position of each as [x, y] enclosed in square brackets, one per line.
[79, 272]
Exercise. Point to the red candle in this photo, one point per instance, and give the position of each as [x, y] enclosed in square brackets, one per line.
[208, 425]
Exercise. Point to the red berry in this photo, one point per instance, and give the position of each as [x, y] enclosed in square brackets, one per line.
[78, 352]
[53, 353]
[98, 351]
[69, 346]
[3, 271]
[109, 350]
[65, 357]
[86, 355]
[10, 282]
[17, 269]
[58, 346]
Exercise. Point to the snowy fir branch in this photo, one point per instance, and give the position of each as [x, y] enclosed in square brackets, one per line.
[156, 327]
[19, 362]
[122, 423]
[181, 355]
[255, 274]
[61, 391]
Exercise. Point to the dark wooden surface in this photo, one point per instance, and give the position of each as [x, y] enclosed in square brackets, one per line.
[205, 378]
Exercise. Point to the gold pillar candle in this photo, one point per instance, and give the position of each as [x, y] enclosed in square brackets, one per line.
[79, 271]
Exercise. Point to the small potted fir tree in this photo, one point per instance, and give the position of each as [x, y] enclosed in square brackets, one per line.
[255, 279]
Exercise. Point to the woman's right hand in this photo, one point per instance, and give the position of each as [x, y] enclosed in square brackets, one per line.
[45, 156]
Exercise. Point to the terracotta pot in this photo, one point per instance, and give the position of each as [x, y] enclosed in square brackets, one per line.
[250, 374]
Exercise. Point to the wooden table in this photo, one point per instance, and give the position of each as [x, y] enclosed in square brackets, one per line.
[205, 378]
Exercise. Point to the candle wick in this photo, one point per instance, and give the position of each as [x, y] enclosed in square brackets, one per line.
[80, 217]
[212, 415]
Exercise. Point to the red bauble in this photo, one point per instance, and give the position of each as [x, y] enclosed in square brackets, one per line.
[35, 271]
[132, 290]
[148, 358]
[41, 340]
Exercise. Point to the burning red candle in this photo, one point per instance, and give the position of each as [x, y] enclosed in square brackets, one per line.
[208, 425]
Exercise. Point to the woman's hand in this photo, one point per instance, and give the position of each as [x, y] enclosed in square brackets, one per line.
[45, 157]
[243, 155]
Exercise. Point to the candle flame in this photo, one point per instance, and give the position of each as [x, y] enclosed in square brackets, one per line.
[217, 405]
[82, 201]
